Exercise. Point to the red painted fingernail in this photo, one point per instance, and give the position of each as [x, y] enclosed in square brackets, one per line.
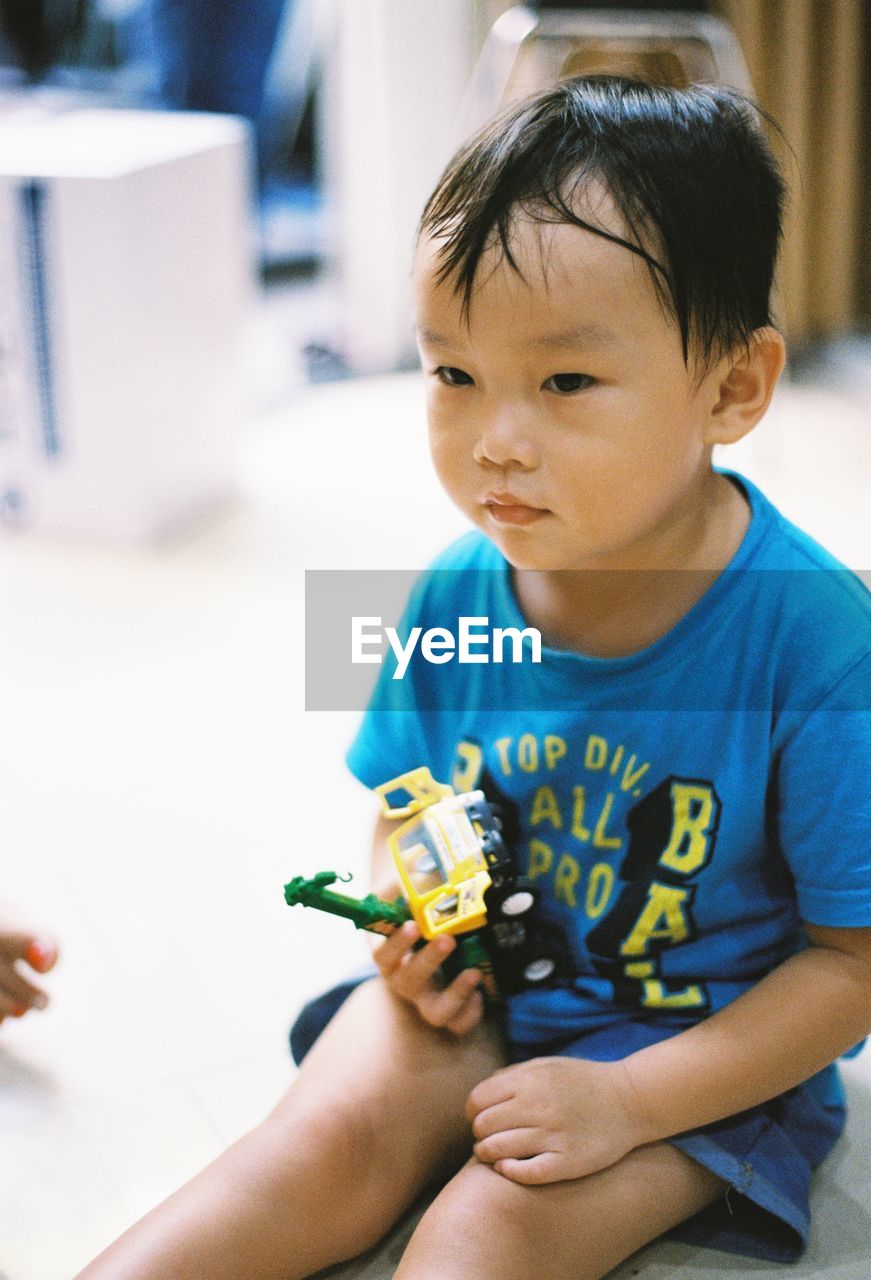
[39, 955]
[18, 1010]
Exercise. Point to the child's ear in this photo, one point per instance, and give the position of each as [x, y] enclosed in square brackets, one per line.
[745, 386]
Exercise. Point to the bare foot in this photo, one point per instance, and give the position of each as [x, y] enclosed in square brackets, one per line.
[21, 950]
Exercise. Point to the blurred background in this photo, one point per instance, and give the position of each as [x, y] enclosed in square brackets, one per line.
[355, 108]
[207, 386]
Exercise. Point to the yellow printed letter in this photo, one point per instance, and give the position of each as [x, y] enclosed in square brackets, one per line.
[578, 828]
[502, 745]
[656, 996]
[527, 753]
[662, 919]
[693, 807]
[467, 770]
[599, 887]
[600, 840]
[545, 808]
[540, 859]
[567, 875]
[597, 752]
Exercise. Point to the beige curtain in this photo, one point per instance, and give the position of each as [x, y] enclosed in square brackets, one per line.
[806, 62]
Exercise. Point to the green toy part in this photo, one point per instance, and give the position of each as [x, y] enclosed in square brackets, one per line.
[374, 914]
[377, 915]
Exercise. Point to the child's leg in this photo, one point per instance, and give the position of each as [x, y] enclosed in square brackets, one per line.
[483, 1227]
[375, 1114]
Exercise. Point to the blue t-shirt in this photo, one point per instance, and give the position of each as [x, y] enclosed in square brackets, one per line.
[683, 808]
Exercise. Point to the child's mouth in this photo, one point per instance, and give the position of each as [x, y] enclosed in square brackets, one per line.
[505, 508]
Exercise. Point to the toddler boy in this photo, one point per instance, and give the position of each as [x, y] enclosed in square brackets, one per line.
[592, 298]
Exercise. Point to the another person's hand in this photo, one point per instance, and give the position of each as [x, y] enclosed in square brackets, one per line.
[20, 949]
[553, 1119]
[412, 975]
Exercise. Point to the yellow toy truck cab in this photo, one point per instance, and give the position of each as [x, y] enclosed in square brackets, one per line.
[449, 854]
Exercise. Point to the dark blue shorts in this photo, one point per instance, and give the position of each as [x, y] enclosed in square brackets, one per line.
[766, 1154]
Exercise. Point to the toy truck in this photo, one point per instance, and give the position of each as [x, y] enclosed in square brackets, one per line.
[458, 878]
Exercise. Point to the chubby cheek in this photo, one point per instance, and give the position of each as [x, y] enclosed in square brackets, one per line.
[454, 465]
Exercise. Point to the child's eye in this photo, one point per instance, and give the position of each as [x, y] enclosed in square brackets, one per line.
[452, 377]
[567, 383]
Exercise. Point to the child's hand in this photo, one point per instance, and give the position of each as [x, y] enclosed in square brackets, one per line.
[412, 976]
[19, 947]
[553, 1118]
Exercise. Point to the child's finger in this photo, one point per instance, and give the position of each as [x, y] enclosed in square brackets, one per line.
[14, 943]
[511, 1144]
[10, 1007]
[18, 990]
[536, 1171]
[469, 1016]
[390, 954]
[419, 968]
[454, 1004]
[39, 952]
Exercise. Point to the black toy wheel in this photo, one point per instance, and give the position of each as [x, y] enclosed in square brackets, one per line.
[512, 901]
[539, 970]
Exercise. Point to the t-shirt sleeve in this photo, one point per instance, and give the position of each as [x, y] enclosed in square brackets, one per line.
[824, 804]
[391, 738]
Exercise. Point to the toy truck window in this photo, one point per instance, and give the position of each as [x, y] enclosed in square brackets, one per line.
[421, 860]
[443, 909]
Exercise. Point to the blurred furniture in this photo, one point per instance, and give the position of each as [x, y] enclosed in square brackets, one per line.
[391, 90]
[125, 284]
[529, 49]
[408, 95]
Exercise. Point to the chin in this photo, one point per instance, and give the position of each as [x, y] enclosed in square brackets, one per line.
[526, 557]
[542, 558]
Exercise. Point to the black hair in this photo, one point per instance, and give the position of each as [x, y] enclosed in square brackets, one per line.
[698, 189]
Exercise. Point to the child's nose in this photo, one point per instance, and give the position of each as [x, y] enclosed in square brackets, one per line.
[505, 440]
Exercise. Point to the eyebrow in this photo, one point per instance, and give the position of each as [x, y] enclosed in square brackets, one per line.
[585, 335]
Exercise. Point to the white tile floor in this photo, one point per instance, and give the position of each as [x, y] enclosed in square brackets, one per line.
[161, 780]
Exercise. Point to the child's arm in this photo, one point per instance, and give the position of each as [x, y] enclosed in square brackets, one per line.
[558, 1118]
[411, 974]
[797, 1020]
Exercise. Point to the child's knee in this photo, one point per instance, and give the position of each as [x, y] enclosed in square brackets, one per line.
[474, 1227]
[483, 1201]
[325, 1131]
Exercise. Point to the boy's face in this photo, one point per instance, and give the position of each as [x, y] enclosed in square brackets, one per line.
[563, 420]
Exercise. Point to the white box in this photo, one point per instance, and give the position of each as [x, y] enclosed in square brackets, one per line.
[126, 284]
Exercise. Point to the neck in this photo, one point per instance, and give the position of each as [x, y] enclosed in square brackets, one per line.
[622, 604]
